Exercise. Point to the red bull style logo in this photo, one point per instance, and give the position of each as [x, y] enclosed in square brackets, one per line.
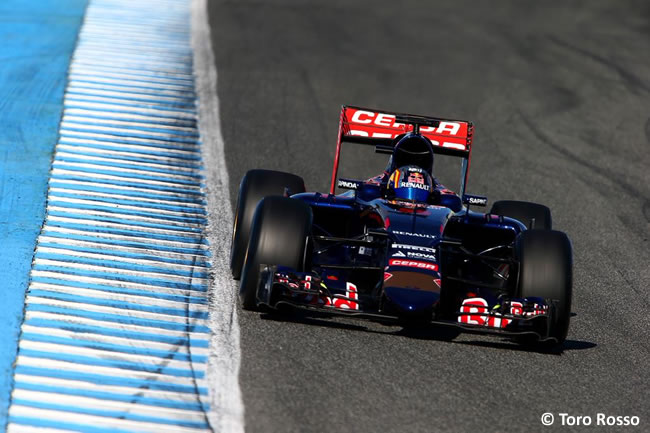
[416, 178]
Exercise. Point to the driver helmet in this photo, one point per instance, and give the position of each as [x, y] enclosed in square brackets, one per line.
[410, 183]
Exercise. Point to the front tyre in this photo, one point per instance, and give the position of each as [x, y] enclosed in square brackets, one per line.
[256, 185]
[279, 236]
[546, 271]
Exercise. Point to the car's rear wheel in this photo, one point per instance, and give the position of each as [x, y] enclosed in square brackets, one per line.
[256, 185]
[546, 271]
[279, 236]
[533, 215]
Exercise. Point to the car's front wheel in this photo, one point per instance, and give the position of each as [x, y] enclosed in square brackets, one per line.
[546, 271]
[256, 185]
[279, 236]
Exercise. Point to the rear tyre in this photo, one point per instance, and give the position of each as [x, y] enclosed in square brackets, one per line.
[546, 271]
[533, 215]
[279, 236]
[256, 185]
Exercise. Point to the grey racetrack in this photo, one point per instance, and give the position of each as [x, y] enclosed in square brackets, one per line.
[560, 96]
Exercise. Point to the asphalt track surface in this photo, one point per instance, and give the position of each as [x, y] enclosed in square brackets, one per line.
[559, 94]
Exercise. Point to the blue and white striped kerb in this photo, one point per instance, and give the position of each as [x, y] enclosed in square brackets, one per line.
[115, 336]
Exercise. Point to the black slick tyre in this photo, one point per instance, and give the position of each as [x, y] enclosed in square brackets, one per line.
[546, 271]
[533, 215]
[279, 236]
[256, 185]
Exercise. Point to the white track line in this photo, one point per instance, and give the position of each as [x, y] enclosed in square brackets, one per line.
[114, 326]
[119, 341]
[106, 422]
[110, 405]
[76, 255]
[227, 407]
[126, 188]
[119, 297]
[73, 367]
[129, 361]
[115, 389]
[141, 251]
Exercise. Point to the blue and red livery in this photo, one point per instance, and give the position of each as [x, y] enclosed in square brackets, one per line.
[401, 246]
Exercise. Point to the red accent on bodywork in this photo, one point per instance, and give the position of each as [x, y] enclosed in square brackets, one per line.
[413, 264]
[335, 170]
[417, 210]
[347, 304]
[474, 311]
[376, 218]
[355, 121]
[453, 134]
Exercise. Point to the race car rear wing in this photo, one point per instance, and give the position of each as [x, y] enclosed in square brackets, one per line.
[379, 128]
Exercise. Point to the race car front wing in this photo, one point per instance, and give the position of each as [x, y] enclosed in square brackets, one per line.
[508, 317]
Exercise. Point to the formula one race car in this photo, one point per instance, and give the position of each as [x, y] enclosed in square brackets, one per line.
[401, 246]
